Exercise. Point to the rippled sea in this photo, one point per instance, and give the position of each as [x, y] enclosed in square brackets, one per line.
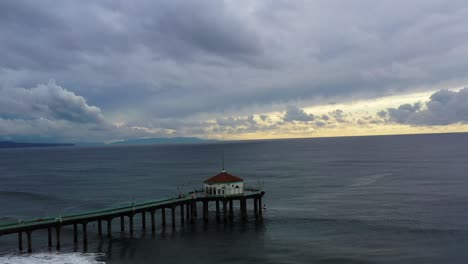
[386, 199]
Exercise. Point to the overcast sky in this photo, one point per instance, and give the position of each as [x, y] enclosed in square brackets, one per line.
[109, 70]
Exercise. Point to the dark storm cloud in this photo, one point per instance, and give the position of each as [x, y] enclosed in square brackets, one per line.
[444, 108]
[51, 35]
[181, 28]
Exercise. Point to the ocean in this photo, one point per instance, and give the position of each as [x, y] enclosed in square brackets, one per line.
[382, 199]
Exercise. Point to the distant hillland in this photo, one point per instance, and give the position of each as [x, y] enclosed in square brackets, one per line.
[174, 140]
[11, 144]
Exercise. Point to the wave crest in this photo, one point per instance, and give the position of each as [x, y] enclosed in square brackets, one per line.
[52, 258]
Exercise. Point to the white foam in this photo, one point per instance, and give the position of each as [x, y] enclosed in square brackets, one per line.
[52, 258]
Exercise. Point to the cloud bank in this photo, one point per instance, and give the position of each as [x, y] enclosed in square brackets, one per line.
[194, 67]
[48, 101]
[444, 108]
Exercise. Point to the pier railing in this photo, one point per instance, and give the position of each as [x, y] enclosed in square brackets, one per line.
[247, 191]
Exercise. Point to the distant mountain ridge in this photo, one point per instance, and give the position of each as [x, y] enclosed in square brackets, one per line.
[174, 140]
[12, 144]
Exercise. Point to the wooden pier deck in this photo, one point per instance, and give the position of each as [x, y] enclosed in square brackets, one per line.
[186, 203]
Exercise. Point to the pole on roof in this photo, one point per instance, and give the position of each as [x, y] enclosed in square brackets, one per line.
[223, 170]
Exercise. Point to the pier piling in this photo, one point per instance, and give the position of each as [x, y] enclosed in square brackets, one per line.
[28, 234]
[173, 220]
[99, 227]
[75, 233]
[243, 206]
[130, 218]
[163, 216]
[217, 210]
[85, 233]
[122, 223]
[225, 210]
[49, 237]
[260, 206]
[20, 241]
[182, 214]
[255, 200]
[57, 233]
[205, 211]
[231, 209]
[153, 224]
[143, 220]
[109, 227]
[192, 212]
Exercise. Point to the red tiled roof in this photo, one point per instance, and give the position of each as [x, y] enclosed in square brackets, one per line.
[223, 177]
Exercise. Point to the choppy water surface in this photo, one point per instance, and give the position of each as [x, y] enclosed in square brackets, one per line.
[393, 199]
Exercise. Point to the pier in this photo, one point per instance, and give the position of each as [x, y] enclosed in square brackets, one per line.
[186, 204]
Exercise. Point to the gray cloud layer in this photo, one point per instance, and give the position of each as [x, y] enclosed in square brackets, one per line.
[154, 63]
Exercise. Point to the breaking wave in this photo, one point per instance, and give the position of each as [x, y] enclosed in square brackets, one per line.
[52, 258]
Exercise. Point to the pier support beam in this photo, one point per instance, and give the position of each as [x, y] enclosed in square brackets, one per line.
[99, 226]
[255, 200]
[122, 223]
[143, 220]
[153, 224]
[49, 237]
[192, 212]
[28, 234]
[182, 213]
[75, 233]
[20, 241]
[163, 216]
[173, 217]
[243, 205]
[205, 211]
[109, 228]
[187, 212]
[225, 210]
[130, 218]
[85, 233]
[260, 206]
[57, 233]
[217, 211]
[231, 209]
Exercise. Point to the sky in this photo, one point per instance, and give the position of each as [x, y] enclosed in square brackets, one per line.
[109, 70]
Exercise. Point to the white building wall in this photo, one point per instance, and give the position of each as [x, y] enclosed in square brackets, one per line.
[224, 188]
